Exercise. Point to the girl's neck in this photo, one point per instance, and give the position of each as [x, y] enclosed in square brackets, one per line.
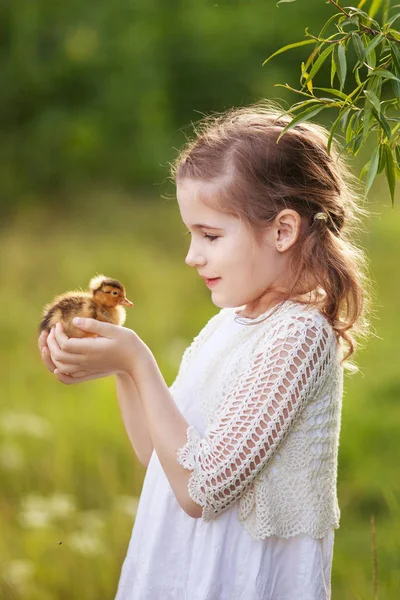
[252, 311]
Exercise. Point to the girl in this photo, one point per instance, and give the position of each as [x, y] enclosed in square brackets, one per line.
[239, 499]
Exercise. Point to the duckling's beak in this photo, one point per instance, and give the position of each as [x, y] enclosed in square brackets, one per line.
[127, 302]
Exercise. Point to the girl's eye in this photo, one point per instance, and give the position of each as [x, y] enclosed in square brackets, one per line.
[206, 235]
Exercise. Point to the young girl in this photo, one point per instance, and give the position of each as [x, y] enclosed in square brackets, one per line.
[239, 499]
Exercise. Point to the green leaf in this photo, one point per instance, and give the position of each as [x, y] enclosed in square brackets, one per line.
[380, 117]
[397, 152]
[329, 21]
[333, 68]
[357, 142]
[289, 47]
[372, 171]
[304, 116]
[382, 158]
[305, 103]
[312, 56]
[288, 87]
[350, 21]
[349, 129]
[395, 56]
[370, 58]
[377, 39]
[368, 20]
[333, 129]
[352, 141]
[358, 46]
[319, 62]
[339, 56]
[393, 19]
[396, 89]
[341, 95]
[373, 99]
[345, 118]
[383, 73]
[390, 172]
[394, 33]
[367, 119]
[364, 169]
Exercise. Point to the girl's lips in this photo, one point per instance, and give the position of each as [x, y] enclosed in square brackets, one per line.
[212, 282]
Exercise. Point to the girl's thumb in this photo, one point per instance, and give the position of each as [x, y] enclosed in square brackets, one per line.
[94, 326]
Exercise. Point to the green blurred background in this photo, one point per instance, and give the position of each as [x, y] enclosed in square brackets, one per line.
[96, 99]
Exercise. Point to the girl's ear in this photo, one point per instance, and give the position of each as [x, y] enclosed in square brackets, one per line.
[287, 228]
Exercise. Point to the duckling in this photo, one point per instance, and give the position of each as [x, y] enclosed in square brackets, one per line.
[104, 302]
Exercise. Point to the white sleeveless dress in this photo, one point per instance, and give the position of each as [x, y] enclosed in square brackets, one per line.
[172, 556]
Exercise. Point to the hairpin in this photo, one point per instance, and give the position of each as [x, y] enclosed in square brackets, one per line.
[321, 215]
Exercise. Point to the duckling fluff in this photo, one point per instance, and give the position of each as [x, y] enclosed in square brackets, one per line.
[104, 302]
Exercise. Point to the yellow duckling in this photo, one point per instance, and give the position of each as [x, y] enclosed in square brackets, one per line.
[104, 302]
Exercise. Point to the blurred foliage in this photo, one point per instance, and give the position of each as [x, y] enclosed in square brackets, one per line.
[98, 91]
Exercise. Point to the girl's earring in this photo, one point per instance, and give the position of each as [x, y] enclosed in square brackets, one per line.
[279, 245]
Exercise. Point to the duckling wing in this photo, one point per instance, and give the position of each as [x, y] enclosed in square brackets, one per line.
[63, 309]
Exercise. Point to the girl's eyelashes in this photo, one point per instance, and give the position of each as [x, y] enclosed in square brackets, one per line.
[206, 235]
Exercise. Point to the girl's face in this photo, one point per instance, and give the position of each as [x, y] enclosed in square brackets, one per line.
[222, 247]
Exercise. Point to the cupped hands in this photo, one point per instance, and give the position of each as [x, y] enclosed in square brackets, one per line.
[117, 350]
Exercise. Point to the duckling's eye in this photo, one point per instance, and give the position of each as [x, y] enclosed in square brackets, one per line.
[115, 293]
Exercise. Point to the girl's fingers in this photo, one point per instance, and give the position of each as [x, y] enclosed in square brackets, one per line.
[66, 368]
[60, 336]
[47, 359]
[42, 339]
[69, 380]
[84, 345]
[80, 374]
[60, 355]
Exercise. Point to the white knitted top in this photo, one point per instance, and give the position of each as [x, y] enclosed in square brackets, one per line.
[272, 406]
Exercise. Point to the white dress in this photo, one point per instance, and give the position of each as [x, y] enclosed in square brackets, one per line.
[172, 556]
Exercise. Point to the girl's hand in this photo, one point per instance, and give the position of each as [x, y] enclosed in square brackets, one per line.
[44, 351]
[78, 377]
[117, 350]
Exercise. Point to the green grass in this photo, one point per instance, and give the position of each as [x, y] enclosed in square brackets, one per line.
[67, 471]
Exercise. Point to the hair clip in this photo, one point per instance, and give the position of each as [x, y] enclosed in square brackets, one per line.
[321, 215]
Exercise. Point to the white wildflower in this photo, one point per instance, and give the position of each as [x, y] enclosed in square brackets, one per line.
[18, 573]
[60, 505]
[25, 423]
[34, 512]
[91, 520]
[85, 542]
[41, 511]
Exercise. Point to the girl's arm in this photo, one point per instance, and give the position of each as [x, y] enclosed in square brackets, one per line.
[256, 415]
[133, 418]
[120, 351]
[129, 403]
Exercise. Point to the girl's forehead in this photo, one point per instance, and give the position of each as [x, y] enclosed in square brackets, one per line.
[196, 198]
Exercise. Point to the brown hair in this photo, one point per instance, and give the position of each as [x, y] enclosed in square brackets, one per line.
[260, 177]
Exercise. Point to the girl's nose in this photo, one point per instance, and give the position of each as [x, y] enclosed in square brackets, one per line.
[193, 259]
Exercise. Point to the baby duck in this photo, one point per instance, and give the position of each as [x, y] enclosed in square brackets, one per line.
[104, 302]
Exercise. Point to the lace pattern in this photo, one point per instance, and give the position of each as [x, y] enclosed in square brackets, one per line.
[271, 441]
